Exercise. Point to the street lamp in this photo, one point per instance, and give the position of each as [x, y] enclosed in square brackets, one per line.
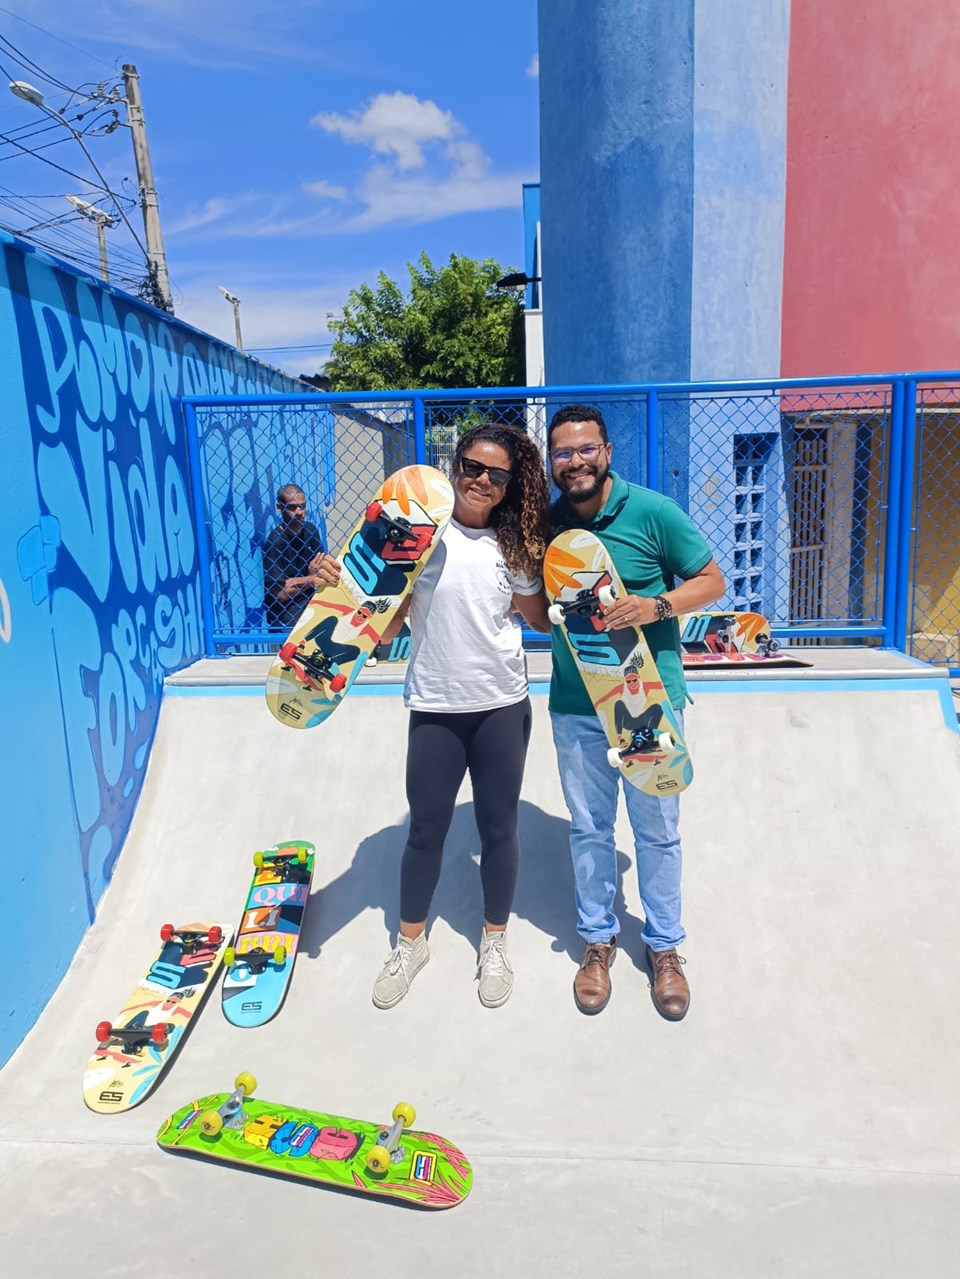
[235, 303]
[517, 280]
[155, 257]
[103, 220]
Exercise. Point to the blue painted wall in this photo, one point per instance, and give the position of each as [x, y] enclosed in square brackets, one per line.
[98, 586]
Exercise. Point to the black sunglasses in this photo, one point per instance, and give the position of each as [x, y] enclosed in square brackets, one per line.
[473, 469]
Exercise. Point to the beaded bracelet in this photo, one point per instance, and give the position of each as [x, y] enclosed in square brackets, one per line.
[662, 608]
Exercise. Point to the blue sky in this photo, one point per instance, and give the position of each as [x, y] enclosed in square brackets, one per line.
[298, 146]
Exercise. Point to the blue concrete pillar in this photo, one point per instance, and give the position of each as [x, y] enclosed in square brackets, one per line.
[662, 185]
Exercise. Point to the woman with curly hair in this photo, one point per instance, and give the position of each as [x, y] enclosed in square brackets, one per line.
[466, 689]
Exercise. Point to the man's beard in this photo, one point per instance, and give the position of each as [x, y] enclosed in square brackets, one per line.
[586, 494]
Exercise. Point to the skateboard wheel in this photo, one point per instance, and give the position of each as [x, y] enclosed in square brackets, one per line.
[279, 955]
[258, 860]
[403, 1110]
[230, 957]
[103, 1032]
[247, 1082]
[607, 596]
[378, 1160]
[301, 855]
[666, 742]
[287, 652]
[211, 1122]
[373, 511]
[215, 936]
[555, 614]
[337, 682]
[613, 757]
[166, 932]
[158, 1033]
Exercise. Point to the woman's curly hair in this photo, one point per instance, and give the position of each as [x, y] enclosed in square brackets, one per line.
[522, 520]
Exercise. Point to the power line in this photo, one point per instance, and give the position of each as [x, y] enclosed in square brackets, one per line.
[86, 52]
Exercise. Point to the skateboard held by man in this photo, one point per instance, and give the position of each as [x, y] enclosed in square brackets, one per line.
[617, 667]
[136, 1047]
[260, 962]
[388, 1159]
[343, 624]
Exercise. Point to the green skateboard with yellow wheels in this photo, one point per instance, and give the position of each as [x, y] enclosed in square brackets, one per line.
[391, 1160]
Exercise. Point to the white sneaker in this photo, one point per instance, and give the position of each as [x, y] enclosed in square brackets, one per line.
[401, 966]
[493, 970]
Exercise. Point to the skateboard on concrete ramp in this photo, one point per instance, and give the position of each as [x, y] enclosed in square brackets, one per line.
[731, 639]
[617, 667]
[342, 625]
[260, 962]
[386, 1159]
[134, 1050]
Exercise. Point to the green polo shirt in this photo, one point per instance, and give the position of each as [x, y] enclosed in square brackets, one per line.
[653, 544]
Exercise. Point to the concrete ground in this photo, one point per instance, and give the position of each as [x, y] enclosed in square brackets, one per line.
[802, 1120]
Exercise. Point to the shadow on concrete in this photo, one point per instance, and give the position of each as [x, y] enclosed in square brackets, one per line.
[544, 895]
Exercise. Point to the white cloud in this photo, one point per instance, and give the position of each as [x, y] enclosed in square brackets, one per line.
[394, 123]
[213, 210]
[326, 190]
[533, 70]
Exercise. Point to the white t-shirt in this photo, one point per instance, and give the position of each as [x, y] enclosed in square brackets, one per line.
[466, 651]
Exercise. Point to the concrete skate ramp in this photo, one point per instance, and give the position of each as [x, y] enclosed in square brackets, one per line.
[802, 1120]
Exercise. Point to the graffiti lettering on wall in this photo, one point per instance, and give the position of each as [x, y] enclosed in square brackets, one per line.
[113, 556]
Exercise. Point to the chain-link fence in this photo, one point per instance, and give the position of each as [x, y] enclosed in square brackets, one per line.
[933, 623]
[794, 486]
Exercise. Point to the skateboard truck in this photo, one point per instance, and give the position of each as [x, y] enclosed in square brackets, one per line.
[643, 742]
[586, 603]
[190, 938]
[311, 671]
[256, 958]
[230, 1114]
[387, 1149]
[289, 866]
[133, 1037]
[399, 532]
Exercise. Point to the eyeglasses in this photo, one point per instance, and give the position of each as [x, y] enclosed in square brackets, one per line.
[587, 451]
[473, 469]
[294, 506]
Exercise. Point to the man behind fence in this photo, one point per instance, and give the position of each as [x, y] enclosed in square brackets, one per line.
[290, 557]
[654, 545]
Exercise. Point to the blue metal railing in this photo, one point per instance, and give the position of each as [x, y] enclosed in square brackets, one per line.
[887, 402]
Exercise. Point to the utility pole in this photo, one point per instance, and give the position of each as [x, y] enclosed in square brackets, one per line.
[235, 303]
[156, 256]
[103, 220]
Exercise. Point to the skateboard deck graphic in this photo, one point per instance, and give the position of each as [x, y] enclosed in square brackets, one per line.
[391, 1160]
[135, 1049]
[617, 667]
[342, 624]
[731, 639]
[260, 962]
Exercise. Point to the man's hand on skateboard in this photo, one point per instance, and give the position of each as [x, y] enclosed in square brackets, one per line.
[629, 610]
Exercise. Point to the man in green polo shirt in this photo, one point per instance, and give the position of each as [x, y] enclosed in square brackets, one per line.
[667, 568]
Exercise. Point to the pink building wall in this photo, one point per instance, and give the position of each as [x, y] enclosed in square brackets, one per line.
[872, 239]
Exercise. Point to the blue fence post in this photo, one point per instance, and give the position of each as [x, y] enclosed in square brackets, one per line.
[891, 531]
[906, 529]
[652, 480]
[200, 524]
[419, 431]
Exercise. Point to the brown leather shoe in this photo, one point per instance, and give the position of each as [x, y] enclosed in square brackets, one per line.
[591, 986]
[671, 994]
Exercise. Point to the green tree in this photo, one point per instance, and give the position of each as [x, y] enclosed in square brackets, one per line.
[454, 328]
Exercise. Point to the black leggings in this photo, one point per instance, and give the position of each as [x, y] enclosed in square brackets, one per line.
[440, 750]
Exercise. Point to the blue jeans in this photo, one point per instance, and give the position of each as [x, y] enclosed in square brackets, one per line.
[591, 788]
